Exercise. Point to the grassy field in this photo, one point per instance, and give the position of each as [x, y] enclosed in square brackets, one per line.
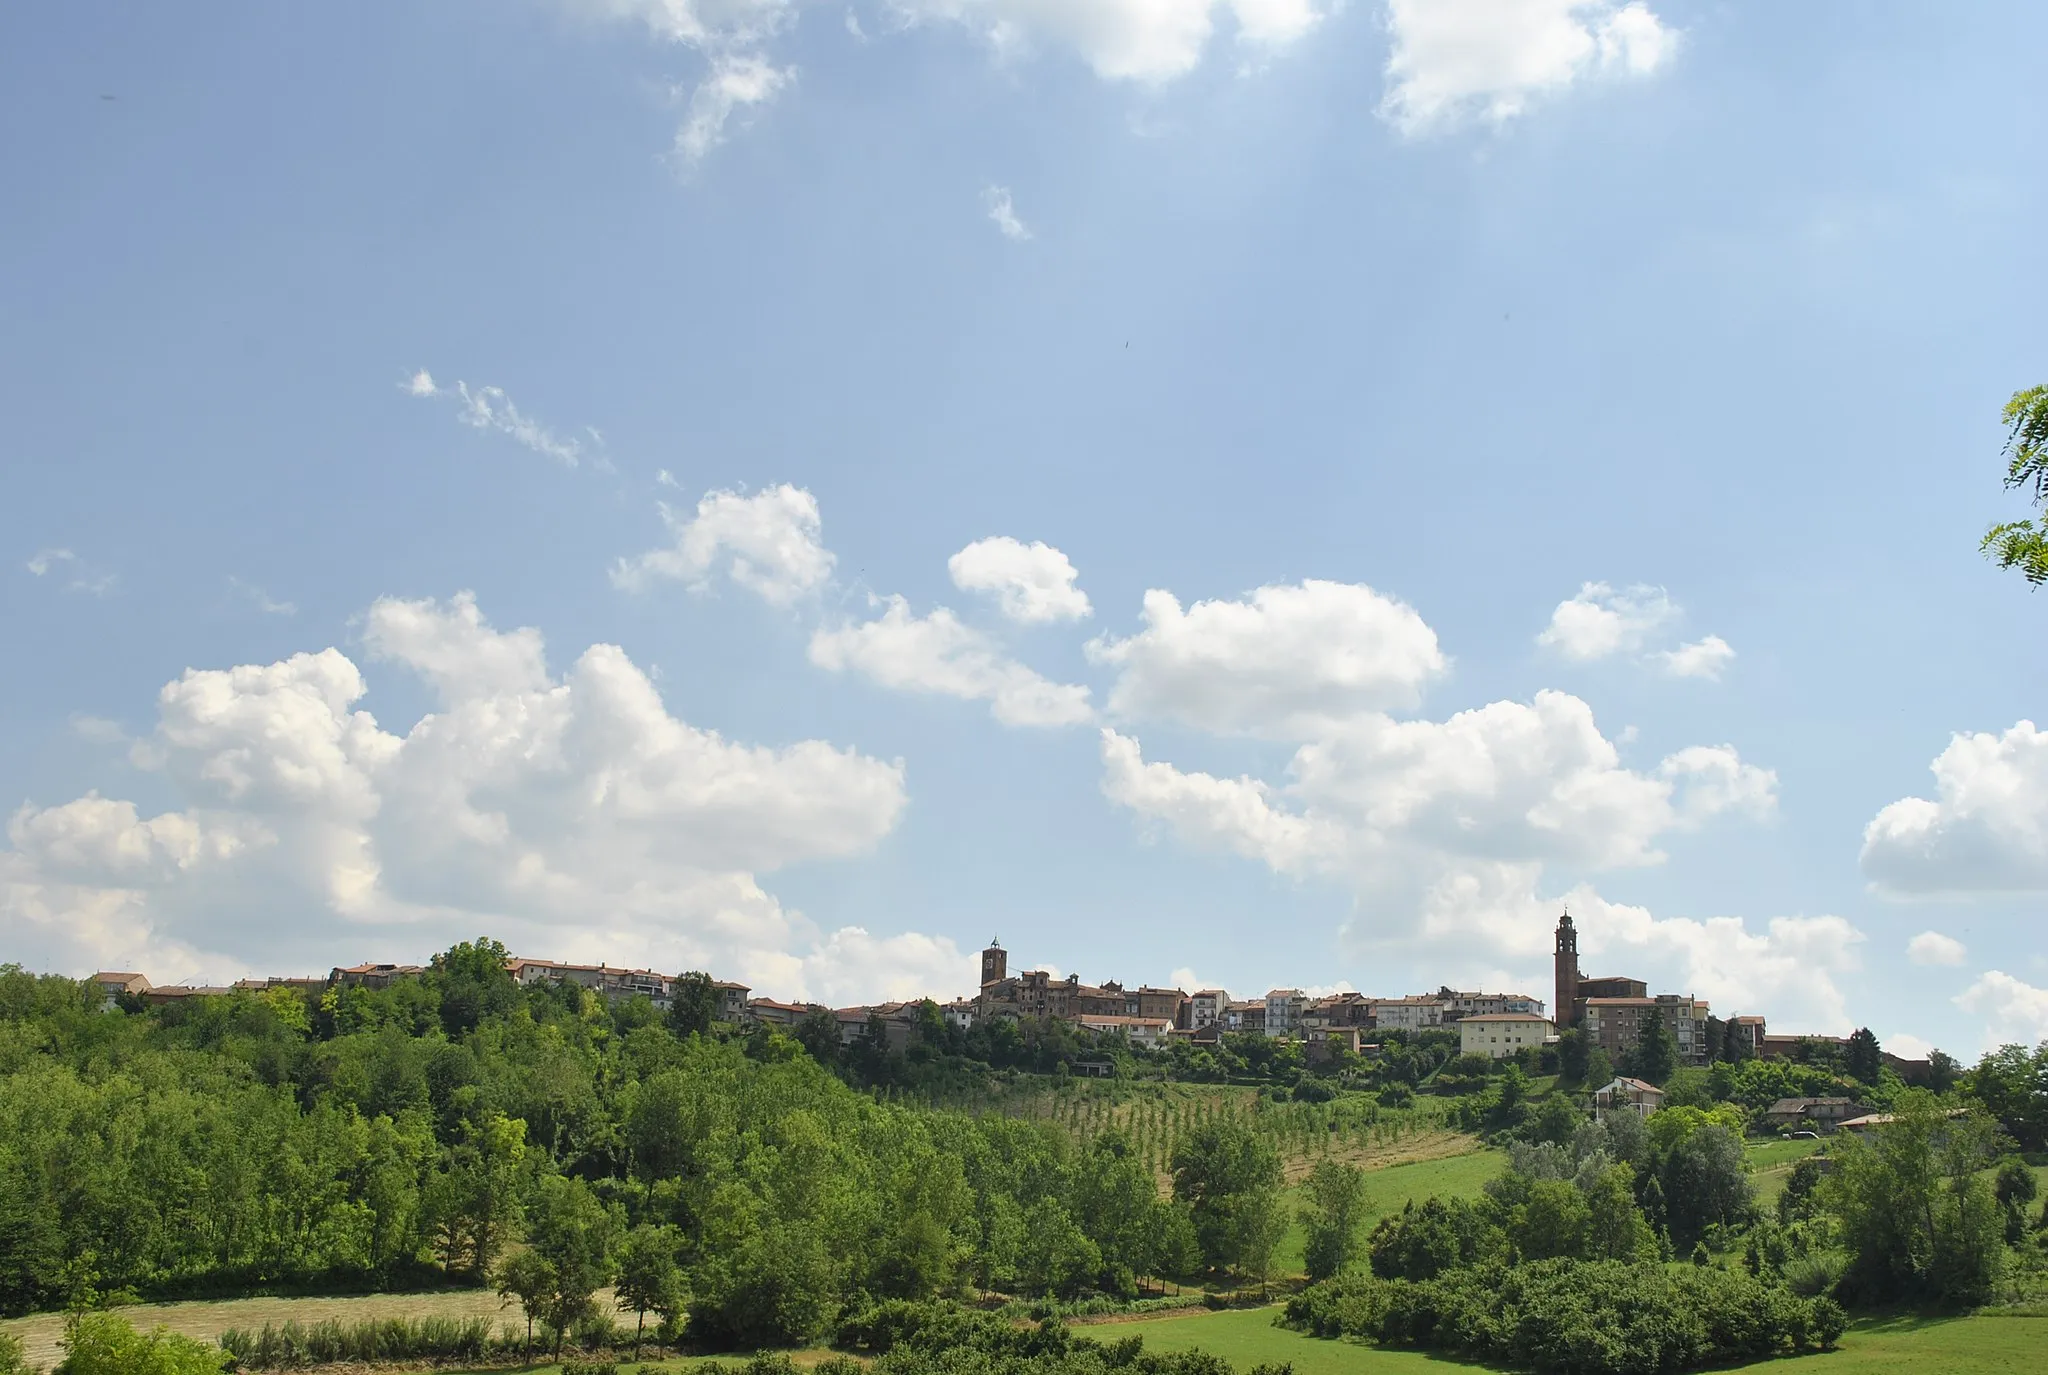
[207, 1319]
[1450, 1164]
[1940, 1346]
[1771, 1165]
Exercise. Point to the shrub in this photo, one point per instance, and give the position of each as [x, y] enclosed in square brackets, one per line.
[590, 1368]
[1811, 1276]
[290, 1345]
[1584, 1317]
[104, 1344]
[12, 1361]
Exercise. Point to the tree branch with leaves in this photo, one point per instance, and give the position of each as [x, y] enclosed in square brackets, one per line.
[2023, 544]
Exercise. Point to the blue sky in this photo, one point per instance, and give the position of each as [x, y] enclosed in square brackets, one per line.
[1239, 398]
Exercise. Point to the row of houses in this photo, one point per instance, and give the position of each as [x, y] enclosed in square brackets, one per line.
[1610, 1011]
[1151, 1015]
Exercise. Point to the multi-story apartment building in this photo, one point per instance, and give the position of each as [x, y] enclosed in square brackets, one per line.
[1498, 1035]
[1407, 1014]
[1169, 1005]
[1457, 1005]
[1284, 1007]
[1207, 1006]
[1615, 1025]
[1337, 1011]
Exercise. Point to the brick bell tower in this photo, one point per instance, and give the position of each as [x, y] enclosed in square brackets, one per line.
[995, 963]
[1565, 1011]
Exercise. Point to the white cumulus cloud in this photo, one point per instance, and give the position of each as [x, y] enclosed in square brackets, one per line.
[1984, 831]
[1933, 948]
[771, 543]
[1601, 621]
[936, 653]
[1458, 61]
[1031, 583]
[2014, 1011]
[1705, 658]
[1442, 831]
[570, 814]
[1283, 662]
[1385, 800]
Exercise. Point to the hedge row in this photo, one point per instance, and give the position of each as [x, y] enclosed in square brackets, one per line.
[1568, 1317]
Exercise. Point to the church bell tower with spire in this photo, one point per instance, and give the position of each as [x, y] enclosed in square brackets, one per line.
[995, 963]
[1565, 1011]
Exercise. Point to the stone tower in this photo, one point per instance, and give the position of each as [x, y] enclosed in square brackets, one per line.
[995, 964]
[1565, 1010]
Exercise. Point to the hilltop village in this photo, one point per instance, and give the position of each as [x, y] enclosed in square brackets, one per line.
[1611, 1012]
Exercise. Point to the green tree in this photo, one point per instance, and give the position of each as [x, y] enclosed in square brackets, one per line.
[2015, 1189]
[1916, 1214]
[1615, 1228]
[1261, 1223]
[693, 1005]
[2023, 544]
[1655, 1054]
[2012, 1083]
[1705, 1180]
[1334, 1216]
[1550, 1221]
[473, 984]
[1863, 1057]
[474, 1199]
[648, 1277]
[575, 1234]
[1057, 1257]
[1228, 1177]
[104, 1344]
[1118, 1207]
[1572, 1055]
[1557, 1121]
[818, 1033]
[527, 1277]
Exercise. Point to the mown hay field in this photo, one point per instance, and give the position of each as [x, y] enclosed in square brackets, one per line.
[206, 1319]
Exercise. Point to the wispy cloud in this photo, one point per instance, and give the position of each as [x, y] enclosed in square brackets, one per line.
[1002, 212]
[75, 573]
[489, 408]
[737, 81]
[262, 600]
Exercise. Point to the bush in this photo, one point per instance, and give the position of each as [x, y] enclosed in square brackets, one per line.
[12, 1361]
[290, 1345]
[1584, 1317]
[590, 1368]
[1811, 1276]
[103, 1344]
